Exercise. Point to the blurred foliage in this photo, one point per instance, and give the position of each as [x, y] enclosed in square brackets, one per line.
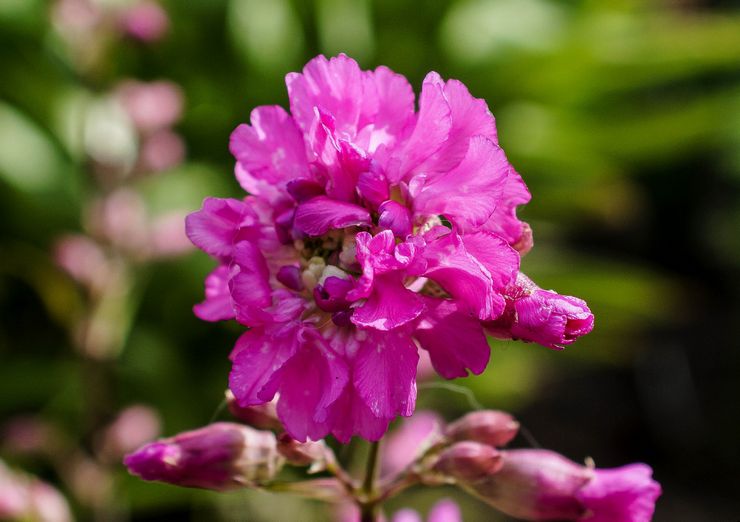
[623, 116]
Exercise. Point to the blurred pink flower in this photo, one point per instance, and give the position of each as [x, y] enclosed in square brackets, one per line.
[133, 426]
[151, 105]
[146, 21]
[24, 497]
[409, 440]
[161, 151]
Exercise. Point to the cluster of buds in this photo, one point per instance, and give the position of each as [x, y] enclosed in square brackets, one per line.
[530, 484]
[535, 484]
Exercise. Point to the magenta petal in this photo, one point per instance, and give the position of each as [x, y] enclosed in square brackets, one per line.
[625, 494]
[394, 108]
[455, 341]
[469, 193]
[215, 227]
[460, 274]
[257, 355]
[310, 383]
[372, 186]
[504, 221]
[351, 416]
[385, 372]
[334, 85]
[470, 117]
[249, 284]
[320, 214]
[395, 217]
[217, 305]
[432, 127]
[494, 253]
[270, 152]
[389, 306]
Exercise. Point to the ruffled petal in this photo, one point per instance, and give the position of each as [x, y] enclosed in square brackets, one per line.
[350, 416]
[432, 128]
[494, 253]
[455, 341]
[504, 220]
[389, 306]
[334, 85]
[385, 371]
[469, 117]
[310, 383]
[217, 305]
[317, 216]
[249, 285]
[258, 355]
[462, 275]
[219, 224]
[269, 153]
[625, 494]
[393, 112]
[467, 194]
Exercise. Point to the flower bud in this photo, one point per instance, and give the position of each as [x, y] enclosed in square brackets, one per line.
[311, 453]
[541, 316]
[130, 429]
[24, 497]
[492, 427]
[468, 462]
[542, 485]
[219, 456]
[262, 416]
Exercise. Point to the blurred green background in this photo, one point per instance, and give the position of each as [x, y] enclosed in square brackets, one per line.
[622, 116]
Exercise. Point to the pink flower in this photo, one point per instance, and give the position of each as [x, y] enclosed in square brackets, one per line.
[542, 485]
[24, 497]
[339, 261]
[151, 106]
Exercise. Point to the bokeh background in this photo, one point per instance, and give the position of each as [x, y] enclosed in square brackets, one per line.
[623, 116]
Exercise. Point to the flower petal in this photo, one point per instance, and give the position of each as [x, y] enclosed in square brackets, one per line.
[385, 371]
[317, 216]
[461, 274]
[334, 85]
[390, 304]
[249, 285]
[432, 129]
[494, 253]
[217, 305]
[455, 340]
[467, 194]
[219, 224]
[309, 384]
[258, 354]
[270, 152]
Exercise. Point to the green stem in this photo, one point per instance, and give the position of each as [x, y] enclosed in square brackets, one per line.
[368, 503]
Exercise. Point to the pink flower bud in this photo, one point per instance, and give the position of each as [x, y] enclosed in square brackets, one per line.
[468, 461]
[83, 260]
[541, 316]
[262, 416]
[311, 453]
[492, 427]
[145, 21]
[220, 456]
[542, 485]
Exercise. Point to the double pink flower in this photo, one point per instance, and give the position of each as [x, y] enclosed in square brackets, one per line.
[370, 231]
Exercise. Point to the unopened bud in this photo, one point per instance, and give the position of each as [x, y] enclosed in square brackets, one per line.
[492, 427]
[261, 416]
[219, 456]
[535, 485]
[311, 453]
[468, 462]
